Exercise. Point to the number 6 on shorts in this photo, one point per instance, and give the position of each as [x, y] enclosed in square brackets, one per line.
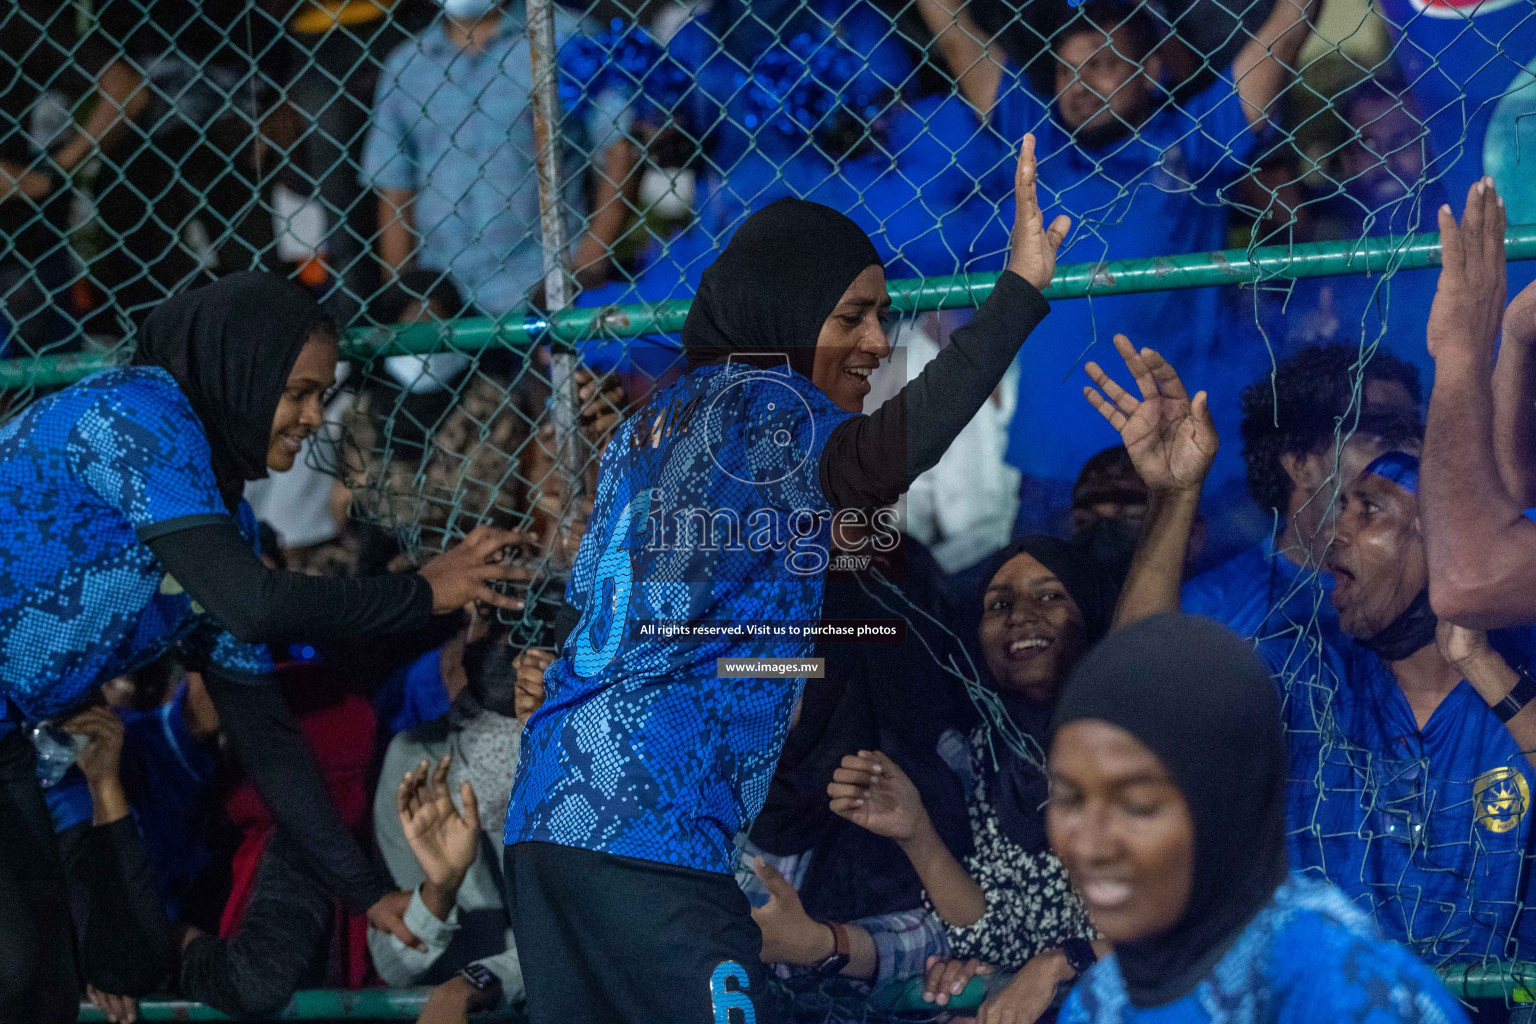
[725, 999]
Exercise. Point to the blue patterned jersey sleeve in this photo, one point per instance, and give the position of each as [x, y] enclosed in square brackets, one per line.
[141, 449]
[1325, 972]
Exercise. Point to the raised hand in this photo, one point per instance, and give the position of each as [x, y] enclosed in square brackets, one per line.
[872, 792]
[1032, 253]
[465, 572]
[101, 757]
[1170, 438]
[1469, 300]
[444, 841]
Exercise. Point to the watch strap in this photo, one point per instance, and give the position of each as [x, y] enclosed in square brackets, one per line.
[841, 950]
[1080, 954]
[486, 984]
[1522, 694]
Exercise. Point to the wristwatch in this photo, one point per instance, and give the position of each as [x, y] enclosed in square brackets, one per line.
[840, 956]
[1523, 693]
[1080, 954]
[485, 983]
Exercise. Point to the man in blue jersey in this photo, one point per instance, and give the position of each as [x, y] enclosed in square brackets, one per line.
[1410, 788]
[1142, 175]
[1306, 433]
[715, 507]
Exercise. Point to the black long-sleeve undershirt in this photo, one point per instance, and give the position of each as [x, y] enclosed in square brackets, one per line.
[870, 461]
[259, 605]
[269, 746]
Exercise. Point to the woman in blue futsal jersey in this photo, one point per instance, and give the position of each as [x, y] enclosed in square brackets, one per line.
[642, 765]
[123, 532]
[1167, 805]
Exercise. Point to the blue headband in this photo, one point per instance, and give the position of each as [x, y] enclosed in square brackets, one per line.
[1398, 467]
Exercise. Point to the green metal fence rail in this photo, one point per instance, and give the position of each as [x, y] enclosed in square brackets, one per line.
[916, 295]
[1491, 981]
[316, 1004]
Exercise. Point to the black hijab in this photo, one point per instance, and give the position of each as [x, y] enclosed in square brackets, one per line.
[775, 284]
[230, 346]
[1199, 697]
[1017, 786]
[892, 697]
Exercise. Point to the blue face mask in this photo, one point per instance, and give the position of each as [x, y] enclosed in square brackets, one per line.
[467, 10]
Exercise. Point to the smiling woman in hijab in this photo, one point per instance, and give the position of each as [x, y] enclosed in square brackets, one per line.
[1167, 805]
[643, 764]
[1007, 907]
[124, 533]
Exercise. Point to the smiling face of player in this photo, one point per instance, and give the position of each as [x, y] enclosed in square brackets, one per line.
[1122, 828]
[301, 409]
[853, 341]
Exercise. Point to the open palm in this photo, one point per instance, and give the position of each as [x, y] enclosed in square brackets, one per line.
[444, 841]
[1170, 437]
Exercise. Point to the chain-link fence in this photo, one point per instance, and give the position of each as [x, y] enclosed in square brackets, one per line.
[508, 207]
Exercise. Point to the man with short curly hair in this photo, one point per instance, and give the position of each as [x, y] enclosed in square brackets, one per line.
[1308, 429]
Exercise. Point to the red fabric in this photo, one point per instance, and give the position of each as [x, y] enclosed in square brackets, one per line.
[342, 737]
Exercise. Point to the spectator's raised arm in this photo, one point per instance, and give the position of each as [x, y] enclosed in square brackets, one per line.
[1481, 548]
[1172, 442]
[975, 61]
[1265, 66]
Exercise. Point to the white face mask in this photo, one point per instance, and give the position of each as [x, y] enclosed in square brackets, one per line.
[424, 375]
[467, 10]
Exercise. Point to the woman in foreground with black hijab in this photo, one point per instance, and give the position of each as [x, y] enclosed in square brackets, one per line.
[643, 763]
[1167, 805]
[1007, 907]
[123, 532]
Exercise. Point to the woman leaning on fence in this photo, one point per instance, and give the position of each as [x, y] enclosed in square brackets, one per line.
[123, 532]
[642, 765]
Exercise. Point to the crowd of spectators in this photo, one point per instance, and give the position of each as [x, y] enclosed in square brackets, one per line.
[904, 824]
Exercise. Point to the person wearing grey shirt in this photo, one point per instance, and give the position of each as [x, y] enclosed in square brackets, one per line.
[439, 829]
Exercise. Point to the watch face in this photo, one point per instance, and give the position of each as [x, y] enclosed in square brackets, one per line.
[480, 977]
[832, 964]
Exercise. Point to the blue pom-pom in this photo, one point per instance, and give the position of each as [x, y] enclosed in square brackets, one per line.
[810, 86]
[623, 59]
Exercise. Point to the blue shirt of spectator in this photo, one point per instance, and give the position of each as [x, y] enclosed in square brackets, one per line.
[166, 773]
[1260, 591]
[413, 694]
[916, 196]
[1154, 192]
[456, 129]
[1426, 829]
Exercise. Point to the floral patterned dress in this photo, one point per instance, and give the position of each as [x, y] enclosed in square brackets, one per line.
[1030, 904]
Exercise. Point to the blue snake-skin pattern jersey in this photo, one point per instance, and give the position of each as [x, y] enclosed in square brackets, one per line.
[87, 476]
[1308, 956]
[708, 507]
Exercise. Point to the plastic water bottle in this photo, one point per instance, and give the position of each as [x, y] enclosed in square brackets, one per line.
[56, 751]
